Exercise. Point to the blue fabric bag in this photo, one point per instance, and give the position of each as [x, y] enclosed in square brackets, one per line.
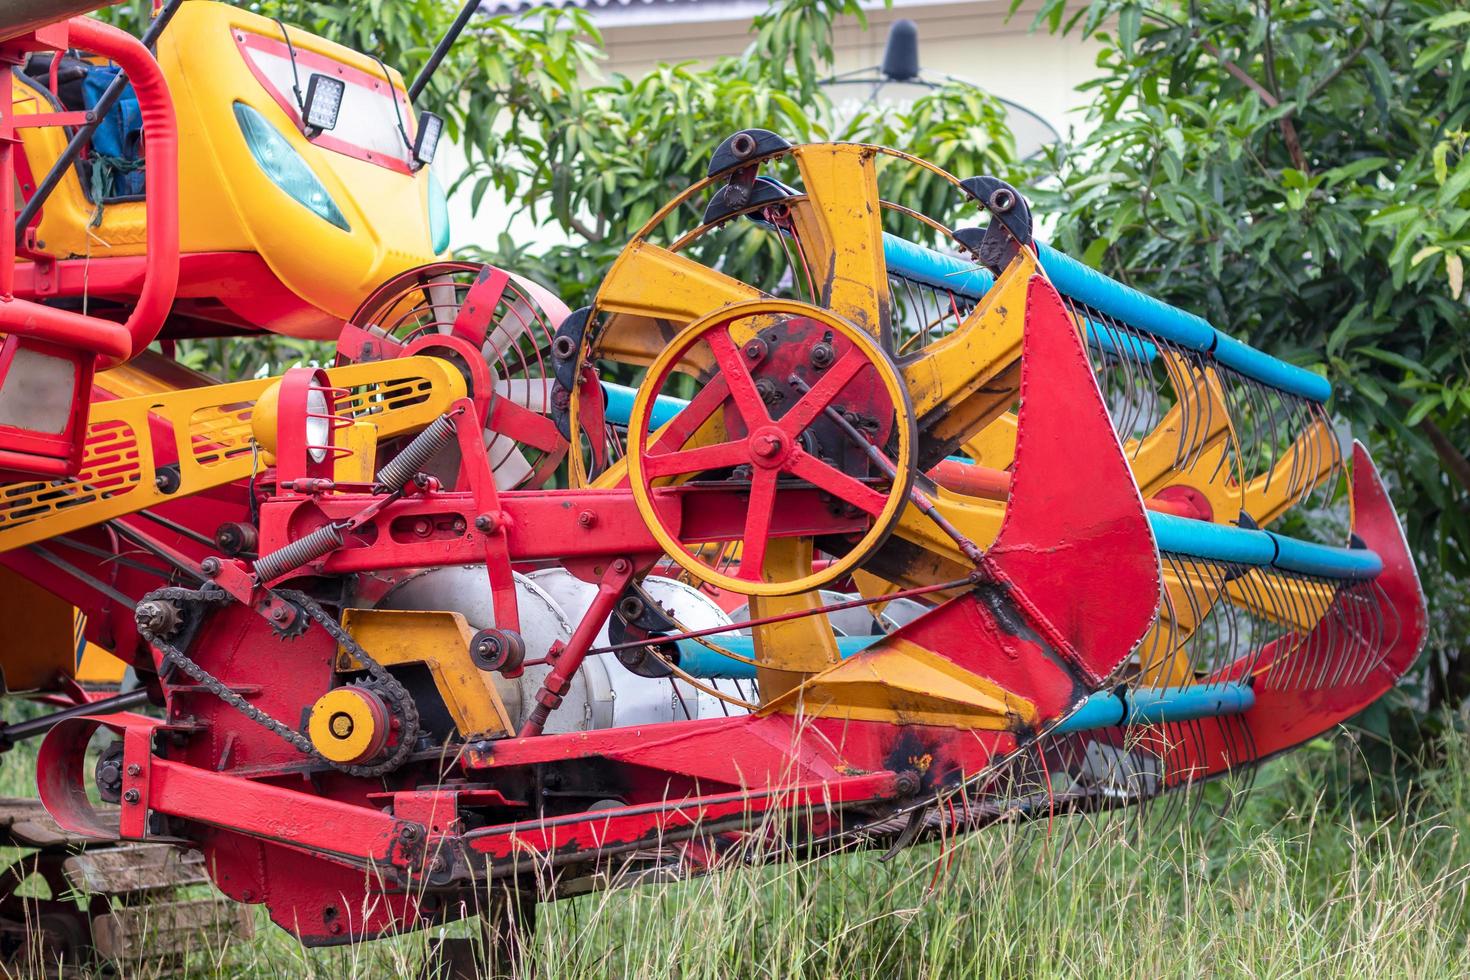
[117, 145]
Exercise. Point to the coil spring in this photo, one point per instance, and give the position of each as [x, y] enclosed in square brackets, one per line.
[324, 539]
[396, 473]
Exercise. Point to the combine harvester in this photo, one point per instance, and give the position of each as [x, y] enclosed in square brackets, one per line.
[932, 527]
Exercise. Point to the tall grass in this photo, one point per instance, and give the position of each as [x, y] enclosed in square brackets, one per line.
[1286, 885]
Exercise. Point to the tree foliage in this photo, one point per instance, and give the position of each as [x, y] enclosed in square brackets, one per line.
[1298, 173]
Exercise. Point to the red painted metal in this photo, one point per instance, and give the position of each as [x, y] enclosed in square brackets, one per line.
[111, 341]
[86, 341]
[568, 660]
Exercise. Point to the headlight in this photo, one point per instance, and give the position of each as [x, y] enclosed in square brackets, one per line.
[284, 166]
[318, 426]
[438, 215]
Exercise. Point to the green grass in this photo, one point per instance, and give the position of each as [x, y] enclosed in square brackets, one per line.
[1286, 885]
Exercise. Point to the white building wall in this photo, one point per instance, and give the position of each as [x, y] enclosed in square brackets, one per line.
[973, 40]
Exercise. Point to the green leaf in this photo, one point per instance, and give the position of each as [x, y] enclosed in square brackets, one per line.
[1452, 19]
[1458, 182]
[1092, 257]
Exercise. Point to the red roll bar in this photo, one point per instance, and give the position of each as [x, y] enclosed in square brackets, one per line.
[113, 343]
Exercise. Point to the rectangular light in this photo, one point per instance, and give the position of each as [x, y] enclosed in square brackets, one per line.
[323, 103]
[426, 140]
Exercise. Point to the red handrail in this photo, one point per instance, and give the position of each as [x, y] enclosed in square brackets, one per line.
[114, 342]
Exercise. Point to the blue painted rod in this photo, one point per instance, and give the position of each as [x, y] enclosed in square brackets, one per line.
[1107, 709]
[1104, 709]
[1176, 535]
[1092, 288]
[700, 661]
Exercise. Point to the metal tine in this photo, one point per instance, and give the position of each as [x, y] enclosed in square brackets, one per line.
[1203, 421]
[1325, 643]
[1235, 637]
[1368, 625]
[1330, 621]
[1360, 631]
[1192, 422]
[1271, 401]
[1264, 625]
[1259, 594]
[1160, 641]
[1181, 566]
[1299, 474]
[1390, 631]
[1289, 676]
[1354, 623]
[1180, 380]
[1259, 416]
[1315, 653]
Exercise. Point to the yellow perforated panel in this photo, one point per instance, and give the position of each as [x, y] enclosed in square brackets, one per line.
[211, 430]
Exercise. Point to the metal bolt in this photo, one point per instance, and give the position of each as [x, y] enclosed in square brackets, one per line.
[210, 567]
[587, 518]
[822, 355]
[131, 796]
[458, 525]
[484, 524]
[621, 566]
[134, 769]
[279, 614]
[766, 388]
[438, 864]
[755, 349]
[410, 833]
[742, 145]
[767, 446]
[630, 608]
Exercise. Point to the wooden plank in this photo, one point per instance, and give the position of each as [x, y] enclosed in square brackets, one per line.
[160, 929]
[133, 868]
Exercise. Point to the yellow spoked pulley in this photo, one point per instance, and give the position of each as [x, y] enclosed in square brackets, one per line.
[801, 429]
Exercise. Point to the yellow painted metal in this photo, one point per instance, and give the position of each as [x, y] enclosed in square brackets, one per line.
[638, 438]
[40, 647]
[226, 202]
[441, 642]
[360, 439]
[995, 444]
[788, 652]
[211, 433]
[98, 668]
[346, 727]
[840, 226]
[900, 682]
[964, 380]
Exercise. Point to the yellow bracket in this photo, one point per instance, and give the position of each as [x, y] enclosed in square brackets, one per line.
[439, 641]
[900, 682]
[210, 428]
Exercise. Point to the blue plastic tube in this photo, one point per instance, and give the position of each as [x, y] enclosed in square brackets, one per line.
[1091, 288]
[1107, 709]
[698, 660]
